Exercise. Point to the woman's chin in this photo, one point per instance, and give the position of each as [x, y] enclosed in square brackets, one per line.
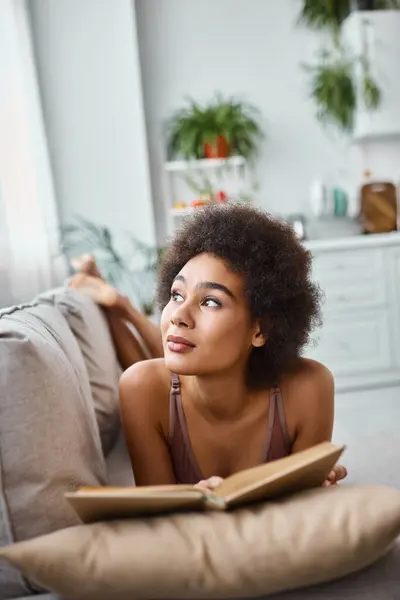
[181, 364]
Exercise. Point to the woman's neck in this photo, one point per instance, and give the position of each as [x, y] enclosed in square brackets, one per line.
[220, 396]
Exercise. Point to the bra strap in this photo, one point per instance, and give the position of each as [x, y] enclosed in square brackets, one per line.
[271, 421]
[175, 385]
[282, 419]
[173, 401]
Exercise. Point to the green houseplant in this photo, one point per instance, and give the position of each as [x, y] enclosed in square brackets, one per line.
[333, 82]
[218, 129]
[330, 14]
[334, 91]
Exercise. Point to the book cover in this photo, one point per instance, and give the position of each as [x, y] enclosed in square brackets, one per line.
[294, 473]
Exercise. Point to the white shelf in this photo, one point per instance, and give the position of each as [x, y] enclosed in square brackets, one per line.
[181, 212]
[205, 163]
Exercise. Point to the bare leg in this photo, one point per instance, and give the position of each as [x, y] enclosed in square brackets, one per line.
[148, 331]
[128, 349]
[119, 309]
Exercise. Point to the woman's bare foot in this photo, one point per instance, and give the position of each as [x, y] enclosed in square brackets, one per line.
[86, 264]
[101, 292]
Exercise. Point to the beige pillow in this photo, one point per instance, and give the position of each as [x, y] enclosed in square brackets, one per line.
[90, 328]
[49, 439]
[305, 539]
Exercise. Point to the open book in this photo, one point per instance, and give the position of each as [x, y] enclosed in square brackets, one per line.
[293, 473]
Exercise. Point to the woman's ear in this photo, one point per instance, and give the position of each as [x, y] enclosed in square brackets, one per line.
[259, 339]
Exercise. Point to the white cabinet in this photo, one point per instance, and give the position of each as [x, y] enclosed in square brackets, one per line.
[376, 35]
[355, 343]
[351, 279]
[359, 340]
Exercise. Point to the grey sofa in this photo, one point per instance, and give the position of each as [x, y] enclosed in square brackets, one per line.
[382, 580]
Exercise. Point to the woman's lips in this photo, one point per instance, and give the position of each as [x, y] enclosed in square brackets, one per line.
[178, 344]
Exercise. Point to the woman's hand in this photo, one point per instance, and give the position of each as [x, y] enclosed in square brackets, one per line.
[337, 474]
[209, 485]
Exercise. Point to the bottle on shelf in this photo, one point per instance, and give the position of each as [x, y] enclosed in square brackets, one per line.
[318, 199]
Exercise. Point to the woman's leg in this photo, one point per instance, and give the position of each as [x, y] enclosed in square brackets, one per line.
[119, 310]
[129, 350]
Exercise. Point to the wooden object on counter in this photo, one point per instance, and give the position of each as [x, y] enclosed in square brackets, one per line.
[379, 207]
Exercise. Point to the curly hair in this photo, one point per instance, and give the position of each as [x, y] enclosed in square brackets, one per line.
[276, 269]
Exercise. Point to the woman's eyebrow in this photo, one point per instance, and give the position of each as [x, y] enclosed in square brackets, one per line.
[209, 285]
[213, 285]
[180, 278]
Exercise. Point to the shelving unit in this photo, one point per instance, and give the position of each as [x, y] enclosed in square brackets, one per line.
[228, 174]
[205, 163]
[375, 35]
[181, 212]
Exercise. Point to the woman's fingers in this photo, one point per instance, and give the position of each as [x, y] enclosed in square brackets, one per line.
[213, 482]
[338, 473]
[209, 484]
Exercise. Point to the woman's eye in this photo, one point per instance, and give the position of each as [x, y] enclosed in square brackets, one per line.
[176, 297]
[211, 303]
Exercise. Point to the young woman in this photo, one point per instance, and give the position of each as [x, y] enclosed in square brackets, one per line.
[232, 390]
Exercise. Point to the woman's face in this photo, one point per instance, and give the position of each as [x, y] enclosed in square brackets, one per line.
[206, 326]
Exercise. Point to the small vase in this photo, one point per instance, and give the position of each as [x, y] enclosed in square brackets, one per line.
[219, 149]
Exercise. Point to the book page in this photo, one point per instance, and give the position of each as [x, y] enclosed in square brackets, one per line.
[295, 472]
[144, 490]
[102, 503]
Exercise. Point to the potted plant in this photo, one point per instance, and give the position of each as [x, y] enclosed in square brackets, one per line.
[218, 129]
[330, 14]
[334, 91]
[324, 14]
[333, 83]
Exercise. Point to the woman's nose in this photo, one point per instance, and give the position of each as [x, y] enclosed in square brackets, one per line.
[181, 317]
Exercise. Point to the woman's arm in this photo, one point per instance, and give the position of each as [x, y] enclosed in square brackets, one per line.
[144, 406]
[315, 417]
[314, 392]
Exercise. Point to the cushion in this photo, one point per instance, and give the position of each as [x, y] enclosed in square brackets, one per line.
[49, 439]
[90, 328]
[304, 539]
[12, 584]
[380, 581]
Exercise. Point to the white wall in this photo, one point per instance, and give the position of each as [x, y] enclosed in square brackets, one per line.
[89, 73]
[248, 47]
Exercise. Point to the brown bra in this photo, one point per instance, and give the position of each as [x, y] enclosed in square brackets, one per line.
[186, 468]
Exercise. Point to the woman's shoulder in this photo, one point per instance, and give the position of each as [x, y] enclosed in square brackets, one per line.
[148, 379]
[309, 380]
[311, 371]
[308, 393]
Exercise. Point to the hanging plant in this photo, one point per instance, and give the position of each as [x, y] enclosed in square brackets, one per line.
[330, 14]
[371, 93]
[333, 92]
[324, 14]
[333, 81]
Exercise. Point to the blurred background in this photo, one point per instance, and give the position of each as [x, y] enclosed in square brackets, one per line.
[117, 118]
